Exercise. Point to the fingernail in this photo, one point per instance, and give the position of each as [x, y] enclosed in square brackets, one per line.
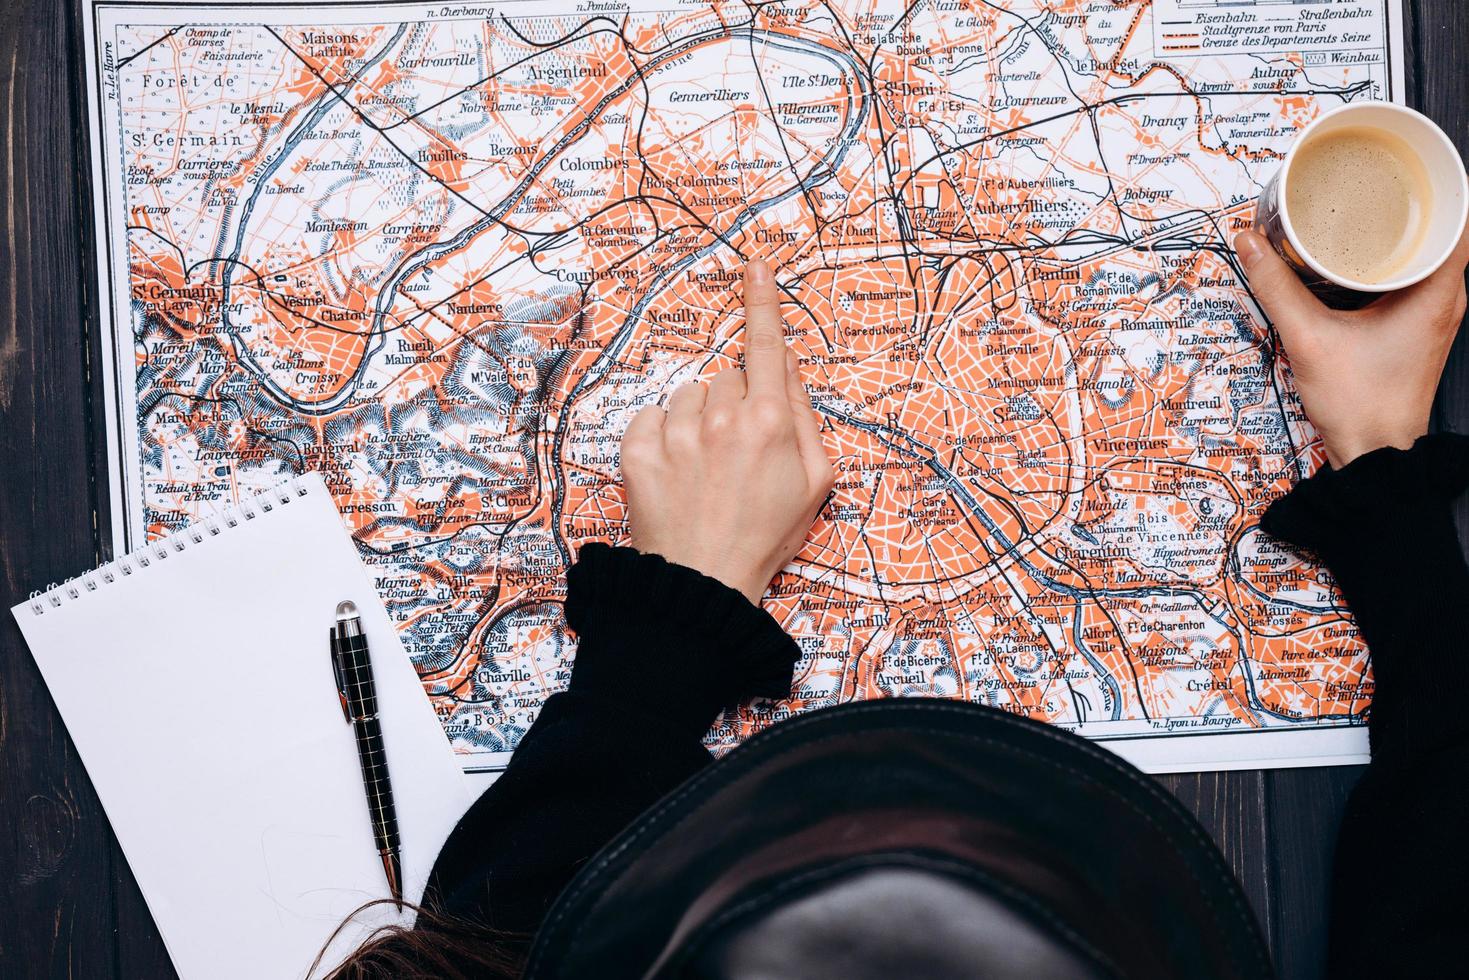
[1250, 247]
[757, 272]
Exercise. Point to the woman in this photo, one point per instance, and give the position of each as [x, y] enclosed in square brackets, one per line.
[927, 838]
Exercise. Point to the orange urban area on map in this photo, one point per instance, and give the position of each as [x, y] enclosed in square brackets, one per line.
[445, 261]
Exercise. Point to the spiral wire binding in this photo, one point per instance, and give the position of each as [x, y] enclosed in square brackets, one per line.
[177, 542]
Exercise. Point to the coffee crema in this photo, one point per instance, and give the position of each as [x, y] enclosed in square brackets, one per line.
[1359, 200]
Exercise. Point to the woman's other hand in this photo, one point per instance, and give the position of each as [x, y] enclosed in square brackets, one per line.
[1366, 377]
[729, 478]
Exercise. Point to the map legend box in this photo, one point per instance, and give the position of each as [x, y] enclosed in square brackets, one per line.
[1320, 31]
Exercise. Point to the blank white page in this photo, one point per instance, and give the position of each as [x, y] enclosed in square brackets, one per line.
[198, 689]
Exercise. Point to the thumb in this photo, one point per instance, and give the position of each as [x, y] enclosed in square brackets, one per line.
[1292, 307]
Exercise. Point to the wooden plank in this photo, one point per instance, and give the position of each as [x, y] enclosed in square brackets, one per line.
[1231, 806]
[55, 845]
[140, 949]
[1441, 31]
[1305, 808]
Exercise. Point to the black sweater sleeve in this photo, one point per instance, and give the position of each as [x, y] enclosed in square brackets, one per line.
[1383, 526]
[662, 649]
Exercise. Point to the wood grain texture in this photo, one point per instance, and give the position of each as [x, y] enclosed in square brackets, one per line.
[1305, 809]
[1439, 42]
[56, 855]
[70, 905]
[1232, 808]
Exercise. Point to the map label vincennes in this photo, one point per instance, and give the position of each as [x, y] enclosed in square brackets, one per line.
[443, 253]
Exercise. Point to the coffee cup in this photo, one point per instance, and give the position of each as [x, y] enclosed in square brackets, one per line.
[1372, 197]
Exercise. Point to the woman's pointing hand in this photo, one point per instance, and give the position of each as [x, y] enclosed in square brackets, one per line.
[728, 478]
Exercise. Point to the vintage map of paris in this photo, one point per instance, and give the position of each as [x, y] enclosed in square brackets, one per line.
[443, 252]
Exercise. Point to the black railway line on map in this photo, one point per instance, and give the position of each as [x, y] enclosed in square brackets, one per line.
[914, 248]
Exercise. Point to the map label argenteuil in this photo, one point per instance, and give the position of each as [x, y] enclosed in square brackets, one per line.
[442, 254]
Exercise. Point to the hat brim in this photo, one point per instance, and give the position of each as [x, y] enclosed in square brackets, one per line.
[1102, 847]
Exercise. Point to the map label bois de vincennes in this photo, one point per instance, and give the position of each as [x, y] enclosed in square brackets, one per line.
[442, 253]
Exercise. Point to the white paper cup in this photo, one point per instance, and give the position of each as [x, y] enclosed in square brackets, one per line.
[1446, 217]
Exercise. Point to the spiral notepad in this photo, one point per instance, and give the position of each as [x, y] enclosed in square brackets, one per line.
[193, 675]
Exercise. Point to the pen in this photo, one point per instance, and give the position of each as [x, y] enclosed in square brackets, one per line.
[352, 666]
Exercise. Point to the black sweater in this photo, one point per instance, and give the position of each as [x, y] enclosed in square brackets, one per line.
[1384, 527]
[664, 648]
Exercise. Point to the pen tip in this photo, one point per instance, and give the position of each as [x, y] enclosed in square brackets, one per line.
[393, 869]
[346, 609]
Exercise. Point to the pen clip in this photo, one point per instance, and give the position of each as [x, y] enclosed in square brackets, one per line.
[337, 674]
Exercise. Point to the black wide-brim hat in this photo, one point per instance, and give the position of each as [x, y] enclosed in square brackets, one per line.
[907, 838]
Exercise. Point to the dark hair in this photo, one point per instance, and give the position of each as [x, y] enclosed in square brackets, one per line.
[435, 947]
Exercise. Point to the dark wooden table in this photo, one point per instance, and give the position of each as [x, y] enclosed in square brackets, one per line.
[68, 904]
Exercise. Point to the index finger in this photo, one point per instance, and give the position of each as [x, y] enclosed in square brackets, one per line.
[765, 356]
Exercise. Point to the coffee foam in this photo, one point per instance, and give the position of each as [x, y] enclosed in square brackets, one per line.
[1358, 199]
